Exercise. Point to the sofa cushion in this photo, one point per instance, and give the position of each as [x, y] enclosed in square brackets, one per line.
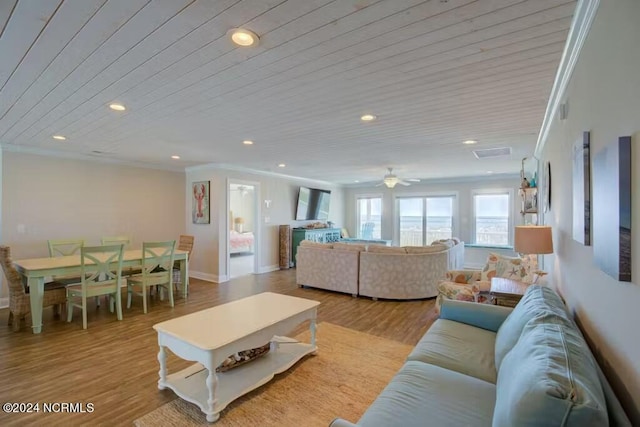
[549, 379]
[424, 249]
[379, 249]
[310, 243]
[459, 347]
[421, 393]
[538, 301]
[350, 247]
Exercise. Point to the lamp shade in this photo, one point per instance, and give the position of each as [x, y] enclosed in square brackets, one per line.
[533, 239]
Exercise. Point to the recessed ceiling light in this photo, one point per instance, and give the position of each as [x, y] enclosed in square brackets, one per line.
[281, 165]
[117, 107]
[470, 142]
[243, 37]
[247, 142]
[175, 157]
[357, 180]
[59, 137]
[489, 172]
[368, 118]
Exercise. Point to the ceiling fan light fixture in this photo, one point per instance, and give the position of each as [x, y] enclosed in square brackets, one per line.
[390, 181]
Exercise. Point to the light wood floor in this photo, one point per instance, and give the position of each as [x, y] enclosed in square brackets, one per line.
[113, 364]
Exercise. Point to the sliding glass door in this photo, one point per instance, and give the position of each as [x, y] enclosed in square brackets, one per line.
[421, 220]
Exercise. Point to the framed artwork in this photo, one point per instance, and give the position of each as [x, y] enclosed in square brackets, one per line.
[547, 187]
[612, 209]
[582, 190]
[200, 202]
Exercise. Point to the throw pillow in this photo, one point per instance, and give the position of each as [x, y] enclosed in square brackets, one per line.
[489, 270]
[514, 268]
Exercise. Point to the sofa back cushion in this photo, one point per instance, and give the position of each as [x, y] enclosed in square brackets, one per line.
[350, 247]
[379, 249]
[538, 302]
[424, 249]
[549, 378]
[309, 243]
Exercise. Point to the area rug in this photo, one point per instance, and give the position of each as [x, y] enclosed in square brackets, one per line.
[349, 371]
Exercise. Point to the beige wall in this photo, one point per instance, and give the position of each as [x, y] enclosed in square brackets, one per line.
[52, 198]
[209, 258]
[602, 98]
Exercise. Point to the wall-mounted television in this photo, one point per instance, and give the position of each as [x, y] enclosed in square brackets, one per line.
[313, 204]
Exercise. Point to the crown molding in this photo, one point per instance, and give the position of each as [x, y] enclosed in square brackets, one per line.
[515, 177]
[80, 156]
[580, 25]
[235, 168]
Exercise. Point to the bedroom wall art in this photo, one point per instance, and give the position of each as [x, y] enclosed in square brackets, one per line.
[612, 209]
[200, 202]
[582, 190]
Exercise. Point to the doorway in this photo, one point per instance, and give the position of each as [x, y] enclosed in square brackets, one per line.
[243, 229]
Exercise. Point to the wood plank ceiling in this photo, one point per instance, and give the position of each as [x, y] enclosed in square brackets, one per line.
[435, 73]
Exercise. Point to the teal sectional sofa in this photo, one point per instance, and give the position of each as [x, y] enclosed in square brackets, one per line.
[485, 365]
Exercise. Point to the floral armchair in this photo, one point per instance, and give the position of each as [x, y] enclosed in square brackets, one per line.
[474, 285]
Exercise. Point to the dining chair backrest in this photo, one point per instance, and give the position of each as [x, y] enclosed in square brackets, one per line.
[114, 240]
[13, 277]
[186, 243]
[101, 265]
[64, 247]
[157, 259]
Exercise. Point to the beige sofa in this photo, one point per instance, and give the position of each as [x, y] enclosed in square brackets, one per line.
[322, 266]
[407, 272]
[377, 271]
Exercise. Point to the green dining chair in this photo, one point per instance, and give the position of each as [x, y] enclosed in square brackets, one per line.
[65, 248]
[157, 266]
[101, 268]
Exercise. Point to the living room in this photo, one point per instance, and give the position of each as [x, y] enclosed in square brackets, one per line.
[51, 191]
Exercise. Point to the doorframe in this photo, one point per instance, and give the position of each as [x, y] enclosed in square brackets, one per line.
[257, 232]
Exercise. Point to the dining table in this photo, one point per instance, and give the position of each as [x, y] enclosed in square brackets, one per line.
[35, 270]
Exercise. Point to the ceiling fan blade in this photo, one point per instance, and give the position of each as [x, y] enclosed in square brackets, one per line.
[413, 180]
[379, 185]
[406, 184]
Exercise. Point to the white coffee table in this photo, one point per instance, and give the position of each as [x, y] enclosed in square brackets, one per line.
[210, 336]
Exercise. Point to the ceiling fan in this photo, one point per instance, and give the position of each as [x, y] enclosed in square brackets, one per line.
[391, 179]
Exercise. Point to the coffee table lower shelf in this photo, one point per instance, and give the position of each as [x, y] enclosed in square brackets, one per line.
[190, 383]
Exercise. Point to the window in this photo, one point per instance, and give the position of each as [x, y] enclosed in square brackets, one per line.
[492, 218]
[425, 219]
[369, 217]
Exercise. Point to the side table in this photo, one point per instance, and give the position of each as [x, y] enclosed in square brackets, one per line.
[507, 292]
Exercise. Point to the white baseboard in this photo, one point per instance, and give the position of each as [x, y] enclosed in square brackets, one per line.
[214, 278]
[205, 276]
[4, 302]
[268, 269]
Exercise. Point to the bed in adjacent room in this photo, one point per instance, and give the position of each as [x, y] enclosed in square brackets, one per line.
[241, 242]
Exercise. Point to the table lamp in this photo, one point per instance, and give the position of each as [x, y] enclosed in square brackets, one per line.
[239, 222]
[533, 240]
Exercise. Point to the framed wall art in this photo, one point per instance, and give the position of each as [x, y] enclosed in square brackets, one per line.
[612, 209]
[582, 190]
[200, 202]
[547, 187]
